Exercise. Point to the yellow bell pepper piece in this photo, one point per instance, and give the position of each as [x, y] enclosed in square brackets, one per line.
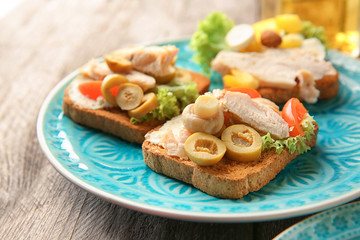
[291, 41]
[291, 23]
[239, 78]
[254, 46]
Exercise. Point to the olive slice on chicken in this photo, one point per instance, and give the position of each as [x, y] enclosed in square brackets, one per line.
[129, 96]
[117, 63]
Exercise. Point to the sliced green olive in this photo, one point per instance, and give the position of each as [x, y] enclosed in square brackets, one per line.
[110, 81]
[117, 63]
[243, 143]
[148, 103]
[204, 149]
[129, 96]
[182, 75]
[164, 79]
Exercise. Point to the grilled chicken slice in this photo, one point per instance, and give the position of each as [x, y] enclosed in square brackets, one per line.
[260, 116]
[153, 60]
[278, 68]
[95, 70]
[146, 82]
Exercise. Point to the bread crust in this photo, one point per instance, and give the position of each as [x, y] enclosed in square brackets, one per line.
[115, 121]
[226, 179]
[328, 87]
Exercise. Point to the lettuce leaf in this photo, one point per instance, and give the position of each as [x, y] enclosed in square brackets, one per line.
[293, 144]
[309, 30]
[172, 98]
[209, 38]
[185, 92]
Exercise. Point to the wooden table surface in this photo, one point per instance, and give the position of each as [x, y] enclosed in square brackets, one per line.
[40, 43]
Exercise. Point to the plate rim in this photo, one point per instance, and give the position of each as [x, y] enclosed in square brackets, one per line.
[303, 223]
[173, 213]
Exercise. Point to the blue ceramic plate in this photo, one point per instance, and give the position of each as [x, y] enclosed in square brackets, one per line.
[113, 169]
[337, 223]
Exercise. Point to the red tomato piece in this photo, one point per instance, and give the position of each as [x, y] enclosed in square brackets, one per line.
[92, 89]
[114, 90]
[249, 91]
[293, 113]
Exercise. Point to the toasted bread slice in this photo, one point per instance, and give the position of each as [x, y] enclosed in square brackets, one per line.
[117, 122]
[227, 178]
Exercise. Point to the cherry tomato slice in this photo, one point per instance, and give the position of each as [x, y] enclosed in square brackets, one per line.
[249, 91]
[92, 89]
[293, 113]
[114, 90]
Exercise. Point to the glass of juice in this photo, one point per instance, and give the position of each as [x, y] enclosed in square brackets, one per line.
[340, 18]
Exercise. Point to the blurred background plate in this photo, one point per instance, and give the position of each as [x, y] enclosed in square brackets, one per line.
[338, 223]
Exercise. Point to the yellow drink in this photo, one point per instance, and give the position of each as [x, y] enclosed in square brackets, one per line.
[340, 18]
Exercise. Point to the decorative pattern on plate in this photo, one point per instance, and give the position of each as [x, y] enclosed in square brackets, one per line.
[337, 223]
[114, 169]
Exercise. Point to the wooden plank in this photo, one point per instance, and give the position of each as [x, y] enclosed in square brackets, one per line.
[40, 43]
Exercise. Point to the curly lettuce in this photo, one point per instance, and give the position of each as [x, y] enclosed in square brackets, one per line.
[185, 92]
[309, 30]
[209, 38]
[172, 98]
[293, 144]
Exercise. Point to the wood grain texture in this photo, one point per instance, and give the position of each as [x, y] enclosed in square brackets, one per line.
[40, 43]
